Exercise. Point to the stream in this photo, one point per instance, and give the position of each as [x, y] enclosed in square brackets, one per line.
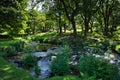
[44, 65]
[44, 60]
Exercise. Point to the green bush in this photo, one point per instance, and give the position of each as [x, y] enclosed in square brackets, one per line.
[38, 38]
[37, 70]
[30, 61]
[60, 65]
[3, 50]
[97, 68]
[29, 49]
[105, 44]
[108, 44]
[18, 45]
[10, 51]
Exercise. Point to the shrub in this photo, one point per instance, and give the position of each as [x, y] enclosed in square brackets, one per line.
[108, 44]
[37, 70]
[29, 49]
[38, 38]
[97, 68]
[18, 45]
[3, 50]
[30, 61]
[60, 65]
[10, 51]
[105, 44]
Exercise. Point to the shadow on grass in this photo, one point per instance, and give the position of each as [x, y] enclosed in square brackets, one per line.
[10, 72]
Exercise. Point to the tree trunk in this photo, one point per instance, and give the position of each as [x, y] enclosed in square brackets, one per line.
[74, 26]
[113, 27]
[106, 29]
[64, 28]
[60, 27]
[86, 26]
[70, 18]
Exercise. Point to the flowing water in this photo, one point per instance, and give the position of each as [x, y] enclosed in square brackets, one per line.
[42, 52]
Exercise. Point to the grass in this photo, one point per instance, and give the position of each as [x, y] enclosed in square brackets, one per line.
[10, 72]
[6, 42]
[68, 77]
[9, 42]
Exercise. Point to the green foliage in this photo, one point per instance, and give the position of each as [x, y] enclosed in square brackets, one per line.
[30, 61]
[10, 46]
[97, 68]
[86, 77]
[10, 72]
[69, 77]
[29, 49]
[37, 70]
[109, 45]
[10, 51]
[105, 44]
[13, 17]
[19, 45]
[117, 48]
[3, 49]
[49, 37]
[60, 65]
[36, 22]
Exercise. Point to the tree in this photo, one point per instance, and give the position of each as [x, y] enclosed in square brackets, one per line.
[71, 9]
[88, 10]
[12, 13]
[106, 10]
[36, 22]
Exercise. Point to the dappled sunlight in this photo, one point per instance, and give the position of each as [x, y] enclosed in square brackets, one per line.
[70, 78]
[10, 72]
[118, 47]
[53, 40]
[7, 68]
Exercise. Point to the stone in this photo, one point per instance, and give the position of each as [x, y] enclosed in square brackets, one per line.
[53, 57]
[40, 54]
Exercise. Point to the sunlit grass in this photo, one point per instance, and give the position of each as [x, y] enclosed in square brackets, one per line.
[10, 72]
[68, 77]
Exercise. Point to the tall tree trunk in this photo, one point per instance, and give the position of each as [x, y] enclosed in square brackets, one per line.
[60, 27]
[64, 28]
[106, 29]
[86, 26]
[70, 18]
[113, 27]
[91, 25]
[74, 26]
